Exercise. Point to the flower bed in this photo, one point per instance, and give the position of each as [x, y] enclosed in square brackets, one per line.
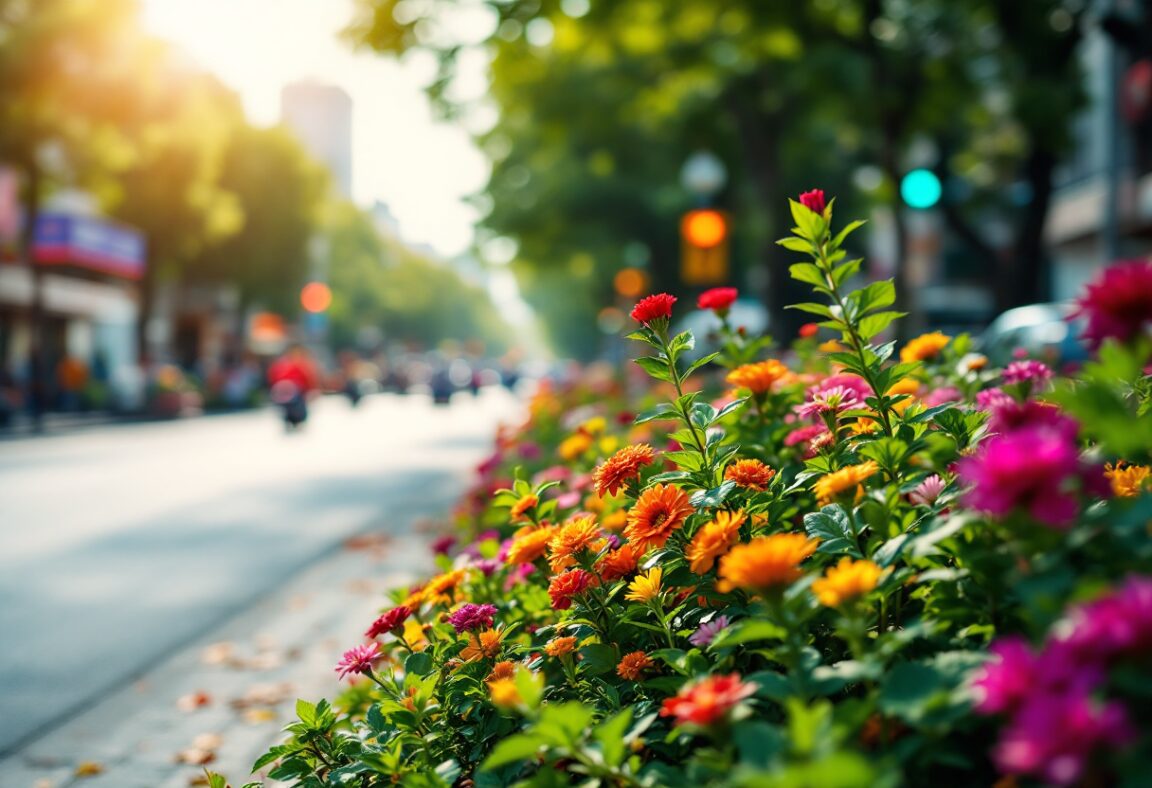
[861, 567]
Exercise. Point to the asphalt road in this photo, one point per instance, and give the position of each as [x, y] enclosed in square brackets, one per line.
[120, 544]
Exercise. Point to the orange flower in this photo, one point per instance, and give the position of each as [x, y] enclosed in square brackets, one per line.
[658, 512]
[558, 647]
[707, 701]
[619, 563]
[645, 587]
[567, 585]
[633, 665]
[752, 474]
[482, 645]
[847, 478]
[505, 669]
[905, 386]
[766, 562]
[575, 535]
[831, 346]
[713, 540]
[625, 464]
[529, 546]
[846, 581]
[504, 693]
[522, 506]
[759, 377]
[440, 585]
[1127, 480]
[924, 347]
[616, 520]
[575, 445]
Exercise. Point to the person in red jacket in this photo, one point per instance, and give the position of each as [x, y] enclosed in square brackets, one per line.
[292, 377]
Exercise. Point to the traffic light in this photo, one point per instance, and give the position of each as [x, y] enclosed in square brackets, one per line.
[704, 244]
[921, 189]
[315, 297]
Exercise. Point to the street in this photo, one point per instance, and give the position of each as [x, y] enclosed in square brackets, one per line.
[119, 544]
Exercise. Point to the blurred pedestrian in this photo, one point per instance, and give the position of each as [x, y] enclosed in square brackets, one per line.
[292, 378]
[71, 378]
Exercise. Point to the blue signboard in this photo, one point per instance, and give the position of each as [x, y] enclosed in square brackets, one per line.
[90, 242]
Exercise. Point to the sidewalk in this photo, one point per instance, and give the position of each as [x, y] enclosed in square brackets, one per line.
[222, 701]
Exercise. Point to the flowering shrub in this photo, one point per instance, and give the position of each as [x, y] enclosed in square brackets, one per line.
[844, 565]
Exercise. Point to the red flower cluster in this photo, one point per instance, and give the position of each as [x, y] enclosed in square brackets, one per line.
[1118, 303]
[391, 621]
[708, 701]
[653, 307]
[567, 585]
[813, 201]
[718, 299]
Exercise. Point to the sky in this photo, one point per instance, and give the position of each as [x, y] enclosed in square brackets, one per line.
[420, 167]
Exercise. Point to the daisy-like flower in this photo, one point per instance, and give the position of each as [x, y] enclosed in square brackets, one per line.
[645, 587]
[924, 347]
[707, 701]
[658, 512]
[708, 631]
[567, 585]
[618, 563]
[1128, 480]
[833, 400]
[558, 647]
[443, 583]
[713, 540]
[470, 616]
[504, 669]
[928, 491]
[614, 472]
[750, 474]
[392, 621]
[846, 581]
[759, 377]
[525, 504]
[850, 477]
[653, 308]
[632, 666]
[580, 533]
[766, 562]
[482, 645]
[530, 545]
[358, 660]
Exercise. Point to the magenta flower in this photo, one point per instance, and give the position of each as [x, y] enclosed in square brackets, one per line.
[928, 491]
[1118, 303]
[813, 200]
[443, 545]
[937, 397]
[488, 566]
[1011, 415]
[1029, 371]
[358, 659]
[1117, 625]
[833, 400]
[470, 616]
[991, 399]
[804, 434]
[1025, 469]
[391, 621]
[1004, 683]
[708, 631]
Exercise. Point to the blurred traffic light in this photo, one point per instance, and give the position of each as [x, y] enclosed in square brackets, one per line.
[921, 189]
[704, 242]
[315, 297]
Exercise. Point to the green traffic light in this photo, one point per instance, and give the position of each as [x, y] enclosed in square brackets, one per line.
[921, 189]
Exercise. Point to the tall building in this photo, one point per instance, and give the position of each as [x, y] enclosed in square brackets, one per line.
[321, 116]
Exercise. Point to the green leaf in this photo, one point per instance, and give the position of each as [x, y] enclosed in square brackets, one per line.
[731, 407]
[814, 309]
[418, 664]
[688, 460]
[662, 411]
[714, 498]
[512, 749]
[809, 273]
[597, 658]
[874, 324]
[848, 229]
[846, 271]
[306, 712]
[695, 365]
[656, 367]
[703, 415]
[876, 296]
[610, 734]
[794, 244]
[749, 631]
[833, 527]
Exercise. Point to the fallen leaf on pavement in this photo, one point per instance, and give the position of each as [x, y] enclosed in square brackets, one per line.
[263, 695]
[218, 653]
[195, 757]
[258, 716]
[193, 700]
[89, 769]
[207, 741]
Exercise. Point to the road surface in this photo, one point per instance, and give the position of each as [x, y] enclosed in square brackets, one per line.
[119, 544]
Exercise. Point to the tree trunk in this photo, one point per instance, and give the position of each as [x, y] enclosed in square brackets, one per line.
[1027, 279]
[37, 386]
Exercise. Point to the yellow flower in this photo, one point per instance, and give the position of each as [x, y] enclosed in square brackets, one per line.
[504, 693]
[765, 562]
[616, 520]
[575, 535]
[482, 645]
[608, 444]
[575, 445]
[850, 477]
[633, 665]
[759, 377]
[594, 425]
[831, 346]
[645, 587]
[906, 386]
[522, 506]
[846, 581]
[414, 635]
[529, 546]
[558, 647]
[924, 347]
[713, 540]
[1127, 480]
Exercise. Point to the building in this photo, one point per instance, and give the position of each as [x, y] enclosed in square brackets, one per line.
[321, 116]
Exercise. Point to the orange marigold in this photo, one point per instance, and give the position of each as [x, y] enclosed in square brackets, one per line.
[616, 520]
[504, 669]
[482, 645]
[765, 562]
[529, 546]
[713, 540]
[442, 584]
[504, 693]
[575, 445]
[846, 581]
[633, 665]
[658, 512]
[619, 563]
[1127, 480]
[924, 347]
[575, 535]
[558, 647]
[759, 377]
[522, 506]
[847, 478]
[752, 474]
[567, 585]
[625, 464]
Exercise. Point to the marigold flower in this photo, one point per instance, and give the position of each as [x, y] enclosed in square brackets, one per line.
[358, 659]
[521, 508]
[847, 478]
[504, 669]
[653, 307]
[718, 299]
[645, 587]
[567, 585]
[392, 621]
[713, 540]
[759, 377]
[633, 665]
[504, 693]
[1117, 303]
[618, 563]
[482, 645]
[442, 584]
[614, 472]
[1127, 480]
[471, 616]
[707, 701]
[529, 546]
[924, 347]
[658, 512]
[569, 539]
[765, 562]
[814, 201]
[750, 474]
[558, 647]
[846, 581]
[575, 445]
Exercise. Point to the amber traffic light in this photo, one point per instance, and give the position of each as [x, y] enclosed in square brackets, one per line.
[315, 297]
[704, 243]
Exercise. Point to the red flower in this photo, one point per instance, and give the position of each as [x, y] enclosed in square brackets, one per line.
[813, 201]
[707, 701]
[1118, 303]
[653, 307]
[567, 585]
[809, 330]
[718, 299]
[391, 621]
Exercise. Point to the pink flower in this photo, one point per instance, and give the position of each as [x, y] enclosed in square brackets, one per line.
[1028, 371]
[471, 616]
[827, 400]
[940, 396]
[443, 545]
[804, 434]
[708, 631]
[1004, 683]
[654, 307]
[389, 622]
[813, 200]
[718, 299]
[1118, 303]
[927, 491]
[990, 399]
[358, 659]
[1117, 625]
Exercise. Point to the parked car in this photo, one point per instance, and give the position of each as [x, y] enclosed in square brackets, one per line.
[1045, 331]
